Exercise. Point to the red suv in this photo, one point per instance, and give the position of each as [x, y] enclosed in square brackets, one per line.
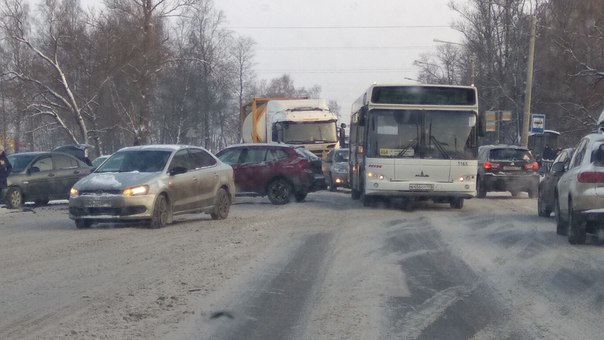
[278, 171]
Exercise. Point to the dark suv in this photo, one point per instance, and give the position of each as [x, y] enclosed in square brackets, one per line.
[278, 171]
[506, 168]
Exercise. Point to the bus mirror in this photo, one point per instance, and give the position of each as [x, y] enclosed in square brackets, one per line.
[362, 115]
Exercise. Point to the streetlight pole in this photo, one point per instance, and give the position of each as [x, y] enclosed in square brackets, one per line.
[529, 84]
[472, 58]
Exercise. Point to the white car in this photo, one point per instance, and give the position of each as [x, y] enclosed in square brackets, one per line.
[579, 195]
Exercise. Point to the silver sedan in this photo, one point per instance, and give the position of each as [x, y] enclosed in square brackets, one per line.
[153, 183]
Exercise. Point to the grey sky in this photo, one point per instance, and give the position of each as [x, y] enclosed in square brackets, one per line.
[343, 61]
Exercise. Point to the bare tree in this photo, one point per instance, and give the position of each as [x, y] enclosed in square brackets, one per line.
[143, 37]
[496, 38]
[243, 55]
[570, 56]
[55, 96]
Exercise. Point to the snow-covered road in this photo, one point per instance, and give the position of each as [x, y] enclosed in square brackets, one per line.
[326, 268]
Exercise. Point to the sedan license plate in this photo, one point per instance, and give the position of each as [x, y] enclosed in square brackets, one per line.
[511, 168]
[421, 187]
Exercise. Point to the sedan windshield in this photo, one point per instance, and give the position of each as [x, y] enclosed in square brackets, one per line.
[19, 162]
[136, 161]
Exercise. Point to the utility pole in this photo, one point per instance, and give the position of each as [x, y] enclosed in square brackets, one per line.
[529, 84]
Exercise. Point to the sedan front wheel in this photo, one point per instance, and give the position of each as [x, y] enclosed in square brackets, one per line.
[161, 213]
[13, 198]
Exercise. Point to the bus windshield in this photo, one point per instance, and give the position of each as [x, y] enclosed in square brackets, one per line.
[435, 134]
[301, 133]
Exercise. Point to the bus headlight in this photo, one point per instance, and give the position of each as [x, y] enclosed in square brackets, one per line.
[375, 176]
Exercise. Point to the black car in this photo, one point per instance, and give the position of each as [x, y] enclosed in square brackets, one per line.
[547, 186]
[42, 176]
[506, 168]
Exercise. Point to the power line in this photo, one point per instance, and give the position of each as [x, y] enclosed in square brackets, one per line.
[292, 48]
[340, 70]
[336, 27]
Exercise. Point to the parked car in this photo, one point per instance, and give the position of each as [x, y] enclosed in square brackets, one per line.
[153, 183]
[42, 176]
[76, 150]
[579, 197]
[278, 171]
[506, 168]
[99, 160]
[335, 169]
[547, 185]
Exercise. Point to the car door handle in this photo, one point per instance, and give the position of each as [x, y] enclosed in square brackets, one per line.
[51, 175]
[76, 172]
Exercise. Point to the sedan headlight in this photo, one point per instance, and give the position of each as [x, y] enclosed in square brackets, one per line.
[136, 191]
[73, 192]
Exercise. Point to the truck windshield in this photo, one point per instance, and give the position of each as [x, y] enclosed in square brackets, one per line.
[309, 132]
[435, 134]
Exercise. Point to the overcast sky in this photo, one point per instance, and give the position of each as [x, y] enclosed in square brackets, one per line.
[341, 45]
[376, 40]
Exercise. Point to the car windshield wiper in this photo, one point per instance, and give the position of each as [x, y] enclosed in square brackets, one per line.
[440, 147]
[407, 146]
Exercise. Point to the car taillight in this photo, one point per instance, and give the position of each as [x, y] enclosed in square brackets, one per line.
[488, 165]
[303, 164]
[591, 177]
[531, 166]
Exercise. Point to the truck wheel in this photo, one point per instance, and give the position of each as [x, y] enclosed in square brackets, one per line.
[13, 198]
[279, 191]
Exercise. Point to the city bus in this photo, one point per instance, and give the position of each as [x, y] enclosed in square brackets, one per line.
[414, 142]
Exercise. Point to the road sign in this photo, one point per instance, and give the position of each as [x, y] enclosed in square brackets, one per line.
[506, 116]
[537, 123]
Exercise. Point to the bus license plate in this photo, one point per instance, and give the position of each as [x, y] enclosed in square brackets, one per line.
[421, 187]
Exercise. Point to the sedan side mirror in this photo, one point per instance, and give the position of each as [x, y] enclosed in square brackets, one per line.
[177, 170]
[597, 156]
[33, 169]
